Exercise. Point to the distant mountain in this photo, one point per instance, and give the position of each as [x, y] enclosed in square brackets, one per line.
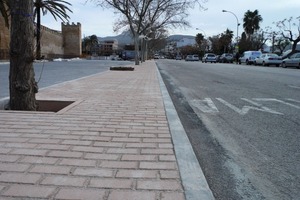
[126, 38]
[123, 38]
[179, 37]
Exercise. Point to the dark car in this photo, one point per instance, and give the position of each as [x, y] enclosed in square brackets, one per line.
[226, 58]
[178, 57]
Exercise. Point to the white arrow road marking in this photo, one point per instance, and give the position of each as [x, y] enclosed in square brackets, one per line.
[246, 109]
[206, 105]
[279, 101]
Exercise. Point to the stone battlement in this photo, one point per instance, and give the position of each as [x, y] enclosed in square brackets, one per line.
[67, 24]
[44, 28]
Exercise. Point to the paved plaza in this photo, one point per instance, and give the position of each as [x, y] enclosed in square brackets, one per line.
[112, 143]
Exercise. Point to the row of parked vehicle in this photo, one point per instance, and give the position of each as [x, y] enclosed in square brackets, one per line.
[266, 59]
[249, 58]
[210, 57]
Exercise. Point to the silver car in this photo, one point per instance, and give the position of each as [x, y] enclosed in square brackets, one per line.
[248, 57]
[209, 57]
[292, 61]
[267, 59]
[192, 58]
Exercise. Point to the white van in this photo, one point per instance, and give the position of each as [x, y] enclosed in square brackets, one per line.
[248, 57]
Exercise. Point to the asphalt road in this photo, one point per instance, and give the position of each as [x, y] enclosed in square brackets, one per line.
[50, 73]
[243, 123]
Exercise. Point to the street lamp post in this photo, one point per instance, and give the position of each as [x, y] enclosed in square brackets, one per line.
[142, 42]
[237, 25]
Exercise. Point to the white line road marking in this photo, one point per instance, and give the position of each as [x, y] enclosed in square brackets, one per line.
[279, 101]
[206, 105]
[294, 86]
[293, 100]
[246, 109]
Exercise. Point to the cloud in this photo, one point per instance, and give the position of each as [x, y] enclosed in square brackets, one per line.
[99, 21]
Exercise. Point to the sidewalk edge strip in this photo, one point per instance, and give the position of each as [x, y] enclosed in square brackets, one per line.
[193, 179]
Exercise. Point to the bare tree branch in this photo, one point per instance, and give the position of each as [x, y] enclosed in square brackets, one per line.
[287, 28]
[143, 17]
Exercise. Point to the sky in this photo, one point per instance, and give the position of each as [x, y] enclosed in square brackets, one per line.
[211, 21]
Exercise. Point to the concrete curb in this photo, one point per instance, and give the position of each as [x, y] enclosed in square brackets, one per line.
[193, 179]
[4, 103]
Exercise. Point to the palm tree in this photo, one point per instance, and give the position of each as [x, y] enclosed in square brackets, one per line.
[57, 8]
[199, 39]
[4, 11]
[225, 40]
[22, 85]
[251, 22]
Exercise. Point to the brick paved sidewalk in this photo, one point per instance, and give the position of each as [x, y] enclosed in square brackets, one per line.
[113, 143]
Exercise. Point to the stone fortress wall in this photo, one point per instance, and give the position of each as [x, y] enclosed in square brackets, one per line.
[4, 39]
[54, 44]
[51, 43]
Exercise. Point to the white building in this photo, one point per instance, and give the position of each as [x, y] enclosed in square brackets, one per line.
[186, 42]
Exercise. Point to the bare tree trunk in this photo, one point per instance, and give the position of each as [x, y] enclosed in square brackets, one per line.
[38, 33]
[22, 84]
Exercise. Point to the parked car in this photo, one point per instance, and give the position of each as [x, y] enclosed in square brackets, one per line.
[292, 61]
[178, 57]
[248, 57]
[209, 57]
[156, 56]
[226, 58]
[218, 58]
[196, 57]
[267, 59]
[192, 58]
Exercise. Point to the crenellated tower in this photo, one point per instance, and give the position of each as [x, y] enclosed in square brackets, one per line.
[71, 39]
